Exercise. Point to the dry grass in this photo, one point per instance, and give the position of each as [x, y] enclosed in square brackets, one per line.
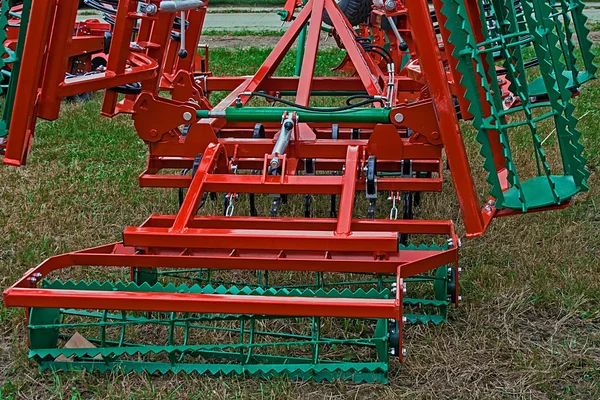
[528, 326]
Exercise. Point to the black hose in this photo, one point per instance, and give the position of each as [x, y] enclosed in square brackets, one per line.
[307, 108]
[383, 49]
[357, 96]
[379, 53]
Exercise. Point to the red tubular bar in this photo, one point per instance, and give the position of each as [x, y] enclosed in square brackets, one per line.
[203, 303]
[257, 239]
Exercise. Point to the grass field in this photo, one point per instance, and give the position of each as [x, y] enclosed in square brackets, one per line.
[528, 327]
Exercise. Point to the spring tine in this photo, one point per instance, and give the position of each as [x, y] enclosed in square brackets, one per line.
[225, 203]
[408, 205]
[307, 202]
[180, 194]
[371, 210]
[275, 206]
[332, 210]
[253, 211]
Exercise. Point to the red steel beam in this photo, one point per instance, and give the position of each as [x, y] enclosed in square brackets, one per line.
[259, 239]
[293, 184]
[431, 227]
[202, 303]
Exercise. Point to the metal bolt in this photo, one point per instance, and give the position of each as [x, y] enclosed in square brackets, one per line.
[393, 351]
[488, 208]
[449, 270]
[151, 9]
[459, 298]
[399, 117]
[403, 352]
[404, 288]
[491, 202]
[37, 275]
[450, 242]
[404, 320]
[459, 270]
[390, 5]
[459, 243]
[187, 116]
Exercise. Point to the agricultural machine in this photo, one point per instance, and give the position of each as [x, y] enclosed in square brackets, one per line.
[241, 281]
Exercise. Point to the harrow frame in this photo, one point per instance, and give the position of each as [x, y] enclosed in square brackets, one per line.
[413, 96]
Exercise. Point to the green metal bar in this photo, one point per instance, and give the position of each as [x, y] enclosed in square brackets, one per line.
[16, 66]
[300, 52]
[273, 114]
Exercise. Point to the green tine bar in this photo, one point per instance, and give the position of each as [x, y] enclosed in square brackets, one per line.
[14, 59]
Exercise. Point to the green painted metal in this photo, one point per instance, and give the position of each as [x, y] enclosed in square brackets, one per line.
[10, 61]
[186, 340]
[300, 51]
[274, 114]
[549, 29]
[251, 345]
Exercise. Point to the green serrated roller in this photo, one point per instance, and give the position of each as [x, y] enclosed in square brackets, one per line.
[528, 48]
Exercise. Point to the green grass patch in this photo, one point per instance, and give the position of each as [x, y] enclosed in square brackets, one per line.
[243, 32]
[528, 326]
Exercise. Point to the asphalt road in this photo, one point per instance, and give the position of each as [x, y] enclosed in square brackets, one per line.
[266, 19]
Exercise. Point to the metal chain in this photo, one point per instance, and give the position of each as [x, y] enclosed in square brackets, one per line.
[394, 209]
[231, 206]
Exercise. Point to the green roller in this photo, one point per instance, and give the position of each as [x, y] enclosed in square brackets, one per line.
[550, 31]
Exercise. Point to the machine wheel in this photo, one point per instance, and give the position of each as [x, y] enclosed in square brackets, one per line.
[445, 284]
[356, 11]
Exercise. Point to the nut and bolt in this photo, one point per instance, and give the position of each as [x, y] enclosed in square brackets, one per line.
[187, 116]
[404, 352]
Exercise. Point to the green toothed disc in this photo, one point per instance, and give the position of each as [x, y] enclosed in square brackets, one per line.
[43, 338]
[440, 285]
[145, 275]
[537, 87]
[538, 192]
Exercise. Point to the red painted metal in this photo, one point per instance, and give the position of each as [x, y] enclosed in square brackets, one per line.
[425, 123]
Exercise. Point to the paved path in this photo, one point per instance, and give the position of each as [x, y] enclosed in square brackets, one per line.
[265, 18]
[256, 20]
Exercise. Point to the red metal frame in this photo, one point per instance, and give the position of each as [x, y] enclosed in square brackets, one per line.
[420, 97]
